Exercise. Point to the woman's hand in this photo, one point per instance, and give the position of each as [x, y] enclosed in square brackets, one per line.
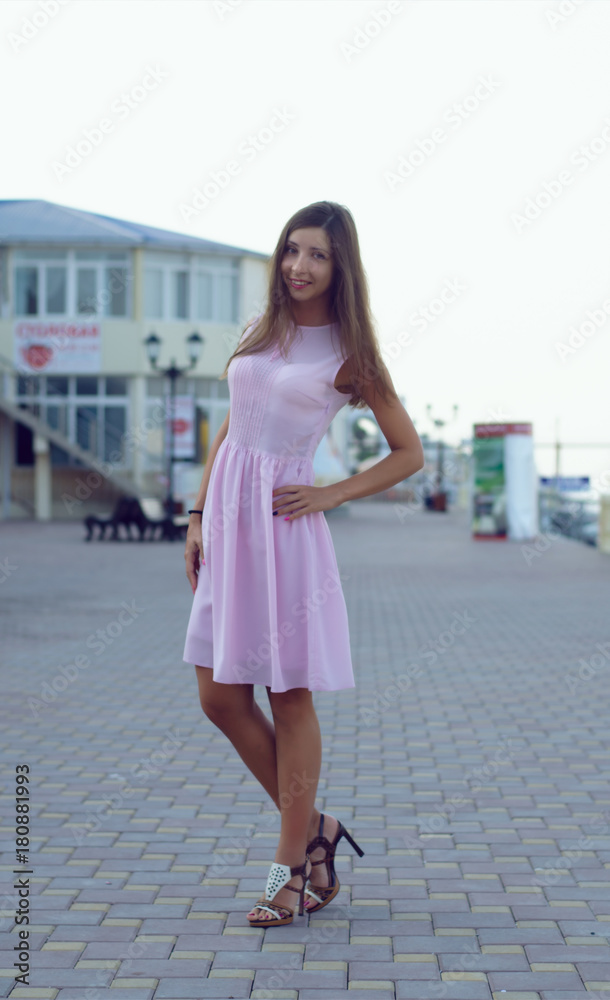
[293, 501]
[193, 551]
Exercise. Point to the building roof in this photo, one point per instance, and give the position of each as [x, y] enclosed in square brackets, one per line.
[33, 221]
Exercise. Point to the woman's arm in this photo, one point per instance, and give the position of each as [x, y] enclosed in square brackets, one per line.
[294, 500]
[193, 551]
[407, 453]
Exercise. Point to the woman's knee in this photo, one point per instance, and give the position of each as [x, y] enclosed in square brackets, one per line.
[223, 704]
[289, 707]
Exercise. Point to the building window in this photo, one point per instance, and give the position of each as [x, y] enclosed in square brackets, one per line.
[92, 412]
[227, 296]
[116, 385]
[55, 292]
[26, 291]
[205, 302]
[200, 287]
[153, 293]
[99, 283]
[114, 434]
[86, 385]
[180, 304]
[86, 291]
[57, 385]
[86, 428]
[116, 285]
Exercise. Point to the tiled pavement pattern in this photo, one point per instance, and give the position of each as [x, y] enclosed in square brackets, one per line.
[479, 792]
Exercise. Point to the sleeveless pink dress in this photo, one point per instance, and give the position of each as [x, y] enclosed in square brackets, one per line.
[269, 607]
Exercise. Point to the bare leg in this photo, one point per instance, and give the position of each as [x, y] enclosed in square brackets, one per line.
[232, 708]
[299, 757]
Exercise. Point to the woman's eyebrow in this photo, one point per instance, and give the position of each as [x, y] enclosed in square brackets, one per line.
[321, 249]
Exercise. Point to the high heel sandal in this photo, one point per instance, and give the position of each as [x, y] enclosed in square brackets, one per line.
[279, 875]
[328, 892]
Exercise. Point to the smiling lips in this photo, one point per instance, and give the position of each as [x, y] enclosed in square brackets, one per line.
[298, 284]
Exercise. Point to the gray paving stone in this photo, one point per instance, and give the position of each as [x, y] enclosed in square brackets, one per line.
[76, 978]
[567, 953]
[115, 994]
[350, 952]
[566, 995]
[347, 995]
[373, 994]
[516, 981]
[447, 990]
[392, 771]
[296, 980]
[393, 970]
[201, 989]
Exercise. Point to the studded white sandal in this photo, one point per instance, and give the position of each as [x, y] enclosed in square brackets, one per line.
[279, 876]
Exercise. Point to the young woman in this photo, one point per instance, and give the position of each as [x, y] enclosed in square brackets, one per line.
[268, 606]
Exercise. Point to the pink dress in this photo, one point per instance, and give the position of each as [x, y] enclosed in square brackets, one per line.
[269, 607]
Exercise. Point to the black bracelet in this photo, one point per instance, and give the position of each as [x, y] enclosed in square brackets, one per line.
[195, 512]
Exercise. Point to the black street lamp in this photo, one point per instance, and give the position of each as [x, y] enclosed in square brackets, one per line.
[152, 343]
[440, 503]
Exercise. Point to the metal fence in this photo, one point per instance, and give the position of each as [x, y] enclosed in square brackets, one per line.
[575, 515]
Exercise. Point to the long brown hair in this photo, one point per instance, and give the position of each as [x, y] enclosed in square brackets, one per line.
[350, 303]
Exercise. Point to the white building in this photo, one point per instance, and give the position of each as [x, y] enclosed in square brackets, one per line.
[79, 294]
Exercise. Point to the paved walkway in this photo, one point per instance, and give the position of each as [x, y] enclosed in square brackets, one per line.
[470, 762]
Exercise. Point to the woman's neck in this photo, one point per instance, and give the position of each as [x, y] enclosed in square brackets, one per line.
[314, 313]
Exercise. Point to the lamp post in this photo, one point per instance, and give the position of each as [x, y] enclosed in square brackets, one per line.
[440, 493]
[194, 344]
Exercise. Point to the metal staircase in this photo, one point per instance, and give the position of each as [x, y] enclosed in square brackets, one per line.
[89, 459]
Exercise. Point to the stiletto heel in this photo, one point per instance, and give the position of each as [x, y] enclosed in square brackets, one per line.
[350, 840]
[279, 876]
[329, 892]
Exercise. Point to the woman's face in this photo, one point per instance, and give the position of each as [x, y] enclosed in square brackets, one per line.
[307, 265]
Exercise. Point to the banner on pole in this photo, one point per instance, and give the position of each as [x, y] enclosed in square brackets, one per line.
[184, 427]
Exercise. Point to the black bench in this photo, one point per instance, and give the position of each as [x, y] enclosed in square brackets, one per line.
[150, 515]
[147, 516]
[121, 515]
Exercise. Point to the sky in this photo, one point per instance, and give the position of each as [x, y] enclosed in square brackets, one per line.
[470, 139]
